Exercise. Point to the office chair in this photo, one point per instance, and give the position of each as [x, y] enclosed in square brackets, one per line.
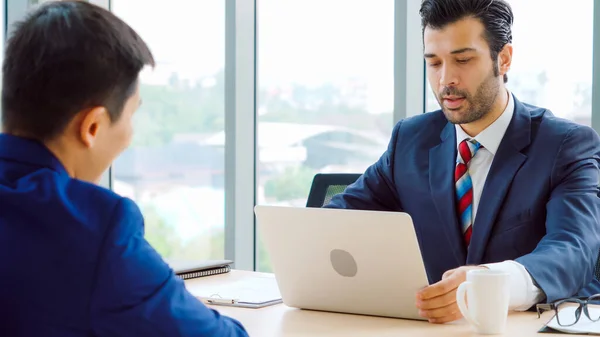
[326, 185]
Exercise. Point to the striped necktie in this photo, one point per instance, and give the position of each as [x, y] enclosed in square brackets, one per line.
[464, 186]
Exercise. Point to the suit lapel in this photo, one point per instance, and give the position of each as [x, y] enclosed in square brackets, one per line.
[507, 162]
[442, 160]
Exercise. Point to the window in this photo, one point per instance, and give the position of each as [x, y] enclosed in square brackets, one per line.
[325, 98]
[552, 63]
[174, 169]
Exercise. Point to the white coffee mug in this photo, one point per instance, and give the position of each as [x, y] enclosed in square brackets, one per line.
[488, 294]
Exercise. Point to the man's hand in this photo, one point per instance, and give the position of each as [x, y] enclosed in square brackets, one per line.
[437, 302]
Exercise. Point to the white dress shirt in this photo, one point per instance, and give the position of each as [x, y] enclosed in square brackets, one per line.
[524, 294]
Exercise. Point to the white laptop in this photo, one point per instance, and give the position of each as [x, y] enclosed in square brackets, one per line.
[350, 261]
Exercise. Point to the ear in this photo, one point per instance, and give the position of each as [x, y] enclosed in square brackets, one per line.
[91, 122]
[505, 59]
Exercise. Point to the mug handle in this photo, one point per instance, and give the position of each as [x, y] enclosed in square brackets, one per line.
[462, 304]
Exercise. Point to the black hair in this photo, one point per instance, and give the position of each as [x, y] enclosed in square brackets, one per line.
[495, 15]
[65, 57]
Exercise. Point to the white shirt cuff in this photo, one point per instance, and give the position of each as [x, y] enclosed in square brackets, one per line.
[523, 293]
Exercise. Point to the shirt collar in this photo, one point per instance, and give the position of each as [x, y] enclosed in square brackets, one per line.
[28, 151]
[491, 136]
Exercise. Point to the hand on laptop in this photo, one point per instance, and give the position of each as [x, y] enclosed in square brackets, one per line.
[437, 302]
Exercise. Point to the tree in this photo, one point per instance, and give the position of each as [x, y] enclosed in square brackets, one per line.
[179, 107]
[293, 183]
[305, 105]
[169, 244]
[184, 106]
[160, 235]
[264, 261]
[203, 246]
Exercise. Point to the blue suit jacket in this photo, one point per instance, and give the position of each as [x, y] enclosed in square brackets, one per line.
[539, 204]
[74, 261]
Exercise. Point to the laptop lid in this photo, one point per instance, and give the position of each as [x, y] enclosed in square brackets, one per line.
[351, 261]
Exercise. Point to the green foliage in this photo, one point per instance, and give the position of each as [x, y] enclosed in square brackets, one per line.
[183, 107]
[158, 233]
[168, 244]
[179, 108]
[264, 262]
[308, 106]
[293, 183]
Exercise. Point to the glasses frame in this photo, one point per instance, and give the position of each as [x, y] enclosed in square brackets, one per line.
[582, 306]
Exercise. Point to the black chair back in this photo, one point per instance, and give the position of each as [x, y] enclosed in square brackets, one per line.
[326, 185]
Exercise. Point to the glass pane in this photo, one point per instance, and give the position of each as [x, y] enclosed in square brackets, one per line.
[555, 77]
[594, 307]
[325, 102]
[569, 312]
[174, 170]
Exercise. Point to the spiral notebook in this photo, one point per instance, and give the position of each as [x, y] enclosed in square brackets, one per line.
[193, 269]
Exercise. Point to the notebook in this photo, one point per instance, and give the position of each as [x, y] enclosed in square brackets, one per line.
[193, 269]
[253, 292]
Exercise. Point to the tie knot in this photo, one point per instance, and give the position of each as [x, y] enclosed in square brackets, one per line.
[467, 149]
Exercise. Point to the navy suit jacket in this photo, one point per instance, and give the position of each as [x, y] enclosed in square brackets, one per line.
[539, 205]
[74, 261]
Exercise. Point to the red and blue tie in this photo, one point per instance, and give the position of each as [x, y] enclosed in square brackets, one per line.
[464, 186]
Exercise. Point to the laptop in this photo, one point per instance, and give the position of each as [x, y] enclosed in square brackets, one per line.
[347, 261]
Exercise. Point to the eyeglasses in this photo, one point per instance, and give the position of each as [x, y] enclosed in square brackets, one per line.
[568, 311]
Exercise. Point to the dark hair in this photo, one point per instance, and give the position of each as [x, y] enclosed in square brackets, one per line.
[63, 58]
[495, 15]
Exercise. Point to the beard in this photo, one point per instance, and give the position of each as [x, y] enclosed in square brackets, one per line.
[477, 106]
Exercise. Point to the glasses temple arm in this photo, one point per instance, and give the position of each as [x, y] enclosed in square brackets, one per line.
[544, 307]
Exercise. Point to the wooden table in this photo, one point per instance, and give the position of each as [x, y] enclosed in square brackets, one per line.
[281, 320]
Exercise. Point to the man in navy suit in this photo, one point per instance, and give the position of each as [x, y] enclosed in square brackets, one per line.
[489, 181]
[74, 258]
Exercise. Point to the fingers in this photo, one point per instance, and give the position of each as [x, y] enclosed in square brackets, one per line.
[439, 313]
[438, 289]
[448, 273]
[447, 319]
[437, 302]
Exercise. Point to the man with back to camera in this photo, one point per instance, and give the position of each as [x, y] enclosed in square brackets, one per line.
[489, 181]
[74, 258]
